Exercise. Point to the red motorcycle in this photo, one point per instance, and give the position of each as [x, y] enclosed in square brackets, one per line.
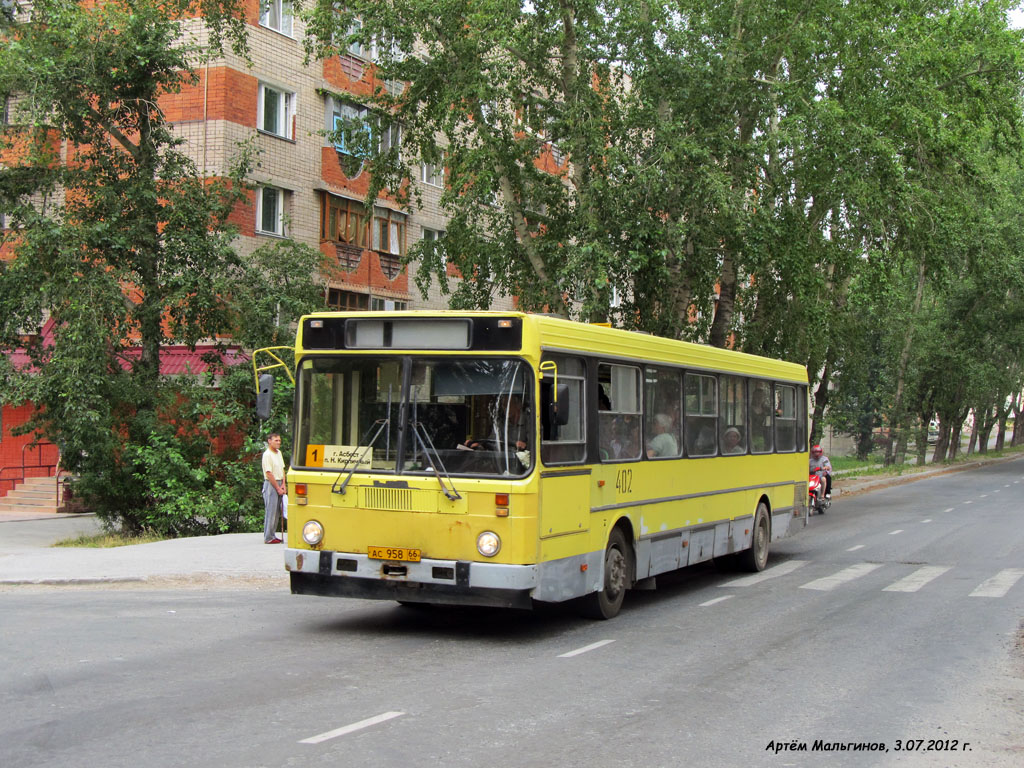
[817, 501]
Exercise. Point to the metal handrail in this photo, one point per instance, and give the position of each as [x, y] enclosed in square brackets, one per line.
[24, 466]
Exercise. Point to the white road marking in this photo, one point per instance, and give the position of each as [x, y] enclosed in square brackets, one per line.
[855, 548]
[898, 530]
[847, 574]
[917, 579]
[948, 510]
[716, 600]
[968, 502]
[350, 728]
[1006, 486]
[999, 584]
[584, 649]
[769, 573]
[995, 490]
[984, 495]
[926, 520]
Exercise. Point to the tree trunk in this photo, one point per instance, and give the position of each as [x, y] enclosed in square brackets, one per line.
[726, 302]
[921, 443]
[820, 402]
[941, 443]
[896, 423]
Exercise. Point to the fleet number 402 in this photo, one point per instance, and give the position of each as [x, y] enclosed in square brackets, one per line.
[624, 481]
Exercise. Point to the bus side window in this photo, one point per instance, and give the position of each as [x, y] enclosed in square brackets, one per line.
[619, 424]
[563, 438]
[785, 418]
[760, 415]
[662, 422]
[701, 415]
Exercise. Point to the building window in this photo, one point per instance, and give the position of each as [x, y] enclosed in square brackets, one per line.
[432, 174]
[347, 301]
[276, 15]
[344, 221]
[378, 304]
[347, 117]
[270, 211]
[276, 108]
[390, 138]
[389, 231]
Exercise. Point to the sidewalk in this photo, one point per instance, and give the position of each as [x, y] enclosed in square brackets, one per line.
[26, 556]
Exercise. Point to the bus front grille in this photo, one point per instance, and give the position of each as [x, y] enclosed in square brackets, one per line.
[398, 499]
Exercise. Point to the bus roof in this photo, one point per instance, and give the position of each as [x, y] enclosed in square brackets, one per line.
[548, 332]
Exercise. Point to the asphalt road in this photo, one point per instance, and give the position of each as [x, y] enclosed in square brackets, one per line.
[896, 616]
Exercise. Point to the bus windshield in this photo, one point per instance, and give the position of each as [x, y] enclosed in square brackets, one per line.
[416, 415]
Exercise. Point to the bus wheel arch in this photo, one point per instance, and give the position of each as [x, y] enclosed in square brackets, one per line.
[755, 558]
[618, 574]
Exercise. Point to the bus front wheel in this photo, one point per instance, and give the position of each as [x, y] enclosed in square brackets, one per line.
[756, 558]
[605, 604]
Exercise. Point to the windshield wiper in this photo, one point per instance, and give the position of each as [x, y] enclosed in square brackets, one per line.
[381, 424]
[427, 446]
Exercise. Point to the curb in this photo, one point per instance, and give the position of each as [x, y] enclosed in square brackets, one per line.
[72, 581]
[880, 482]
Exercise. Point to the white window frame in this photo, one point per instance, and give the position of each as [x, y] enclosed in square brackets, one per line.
[389, 136]
[285, 111]
[277, 15]
[435, 235]
[261, 192]
[381, 304]
[431, 174]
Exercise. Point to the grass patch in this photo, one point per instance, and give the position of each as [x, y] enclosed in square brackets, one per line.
[852, 463]
[105, 540]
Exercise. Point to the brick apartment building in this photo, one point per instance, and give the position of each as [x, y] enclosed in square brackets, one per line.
[301, 191]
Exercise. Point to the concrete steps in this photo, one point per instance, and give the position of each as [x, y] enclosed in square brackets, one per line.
[35, 496]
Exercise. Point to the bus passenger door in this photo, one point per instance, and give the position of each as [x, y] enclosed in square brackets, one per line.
[564, 502]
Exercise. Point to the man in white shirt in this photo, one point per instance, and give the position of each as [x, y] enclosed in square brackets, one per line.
[273, 487]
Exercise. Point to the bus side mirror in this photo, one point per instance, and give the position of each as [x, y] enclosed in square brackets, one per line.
[558, 411]
[265, 396]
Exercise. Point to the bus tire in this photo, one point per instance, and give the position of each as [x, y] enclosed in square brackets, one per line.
[618, 567]
[756, 558]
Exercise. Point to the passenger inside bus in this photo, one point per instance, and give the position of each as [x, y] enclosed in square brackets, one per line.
[732, 441]
[663, 443]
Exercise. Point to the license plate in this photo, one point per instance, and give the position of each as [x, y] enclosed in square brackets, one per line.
[400, 554]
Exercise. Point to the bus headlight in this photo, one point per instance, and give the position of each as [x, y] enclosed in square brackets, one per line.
[488, 543]
[312, 533]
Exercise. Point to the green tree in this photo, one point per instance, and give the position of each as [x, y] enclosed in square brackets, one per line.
[125, 246]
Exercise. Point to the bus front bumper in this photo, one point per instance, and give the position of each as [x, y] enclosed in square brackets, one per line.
[454, 582]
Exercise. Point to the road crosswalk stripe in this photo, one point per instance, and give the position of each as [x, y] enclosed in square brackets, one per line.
[917, 579]
[716, 600]
[847, 574]
[999, 584]
[770, 573]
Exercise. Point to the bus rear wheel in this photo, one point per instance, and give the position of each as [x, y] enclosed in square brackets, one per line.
[606, 603]
[756, 558]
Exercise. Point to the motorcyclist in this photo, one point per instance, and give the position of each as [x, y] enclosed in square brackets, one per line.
[821, 466]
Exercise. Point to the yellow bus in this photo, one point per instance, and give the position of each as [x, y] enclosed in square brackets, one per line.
[506, 459]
